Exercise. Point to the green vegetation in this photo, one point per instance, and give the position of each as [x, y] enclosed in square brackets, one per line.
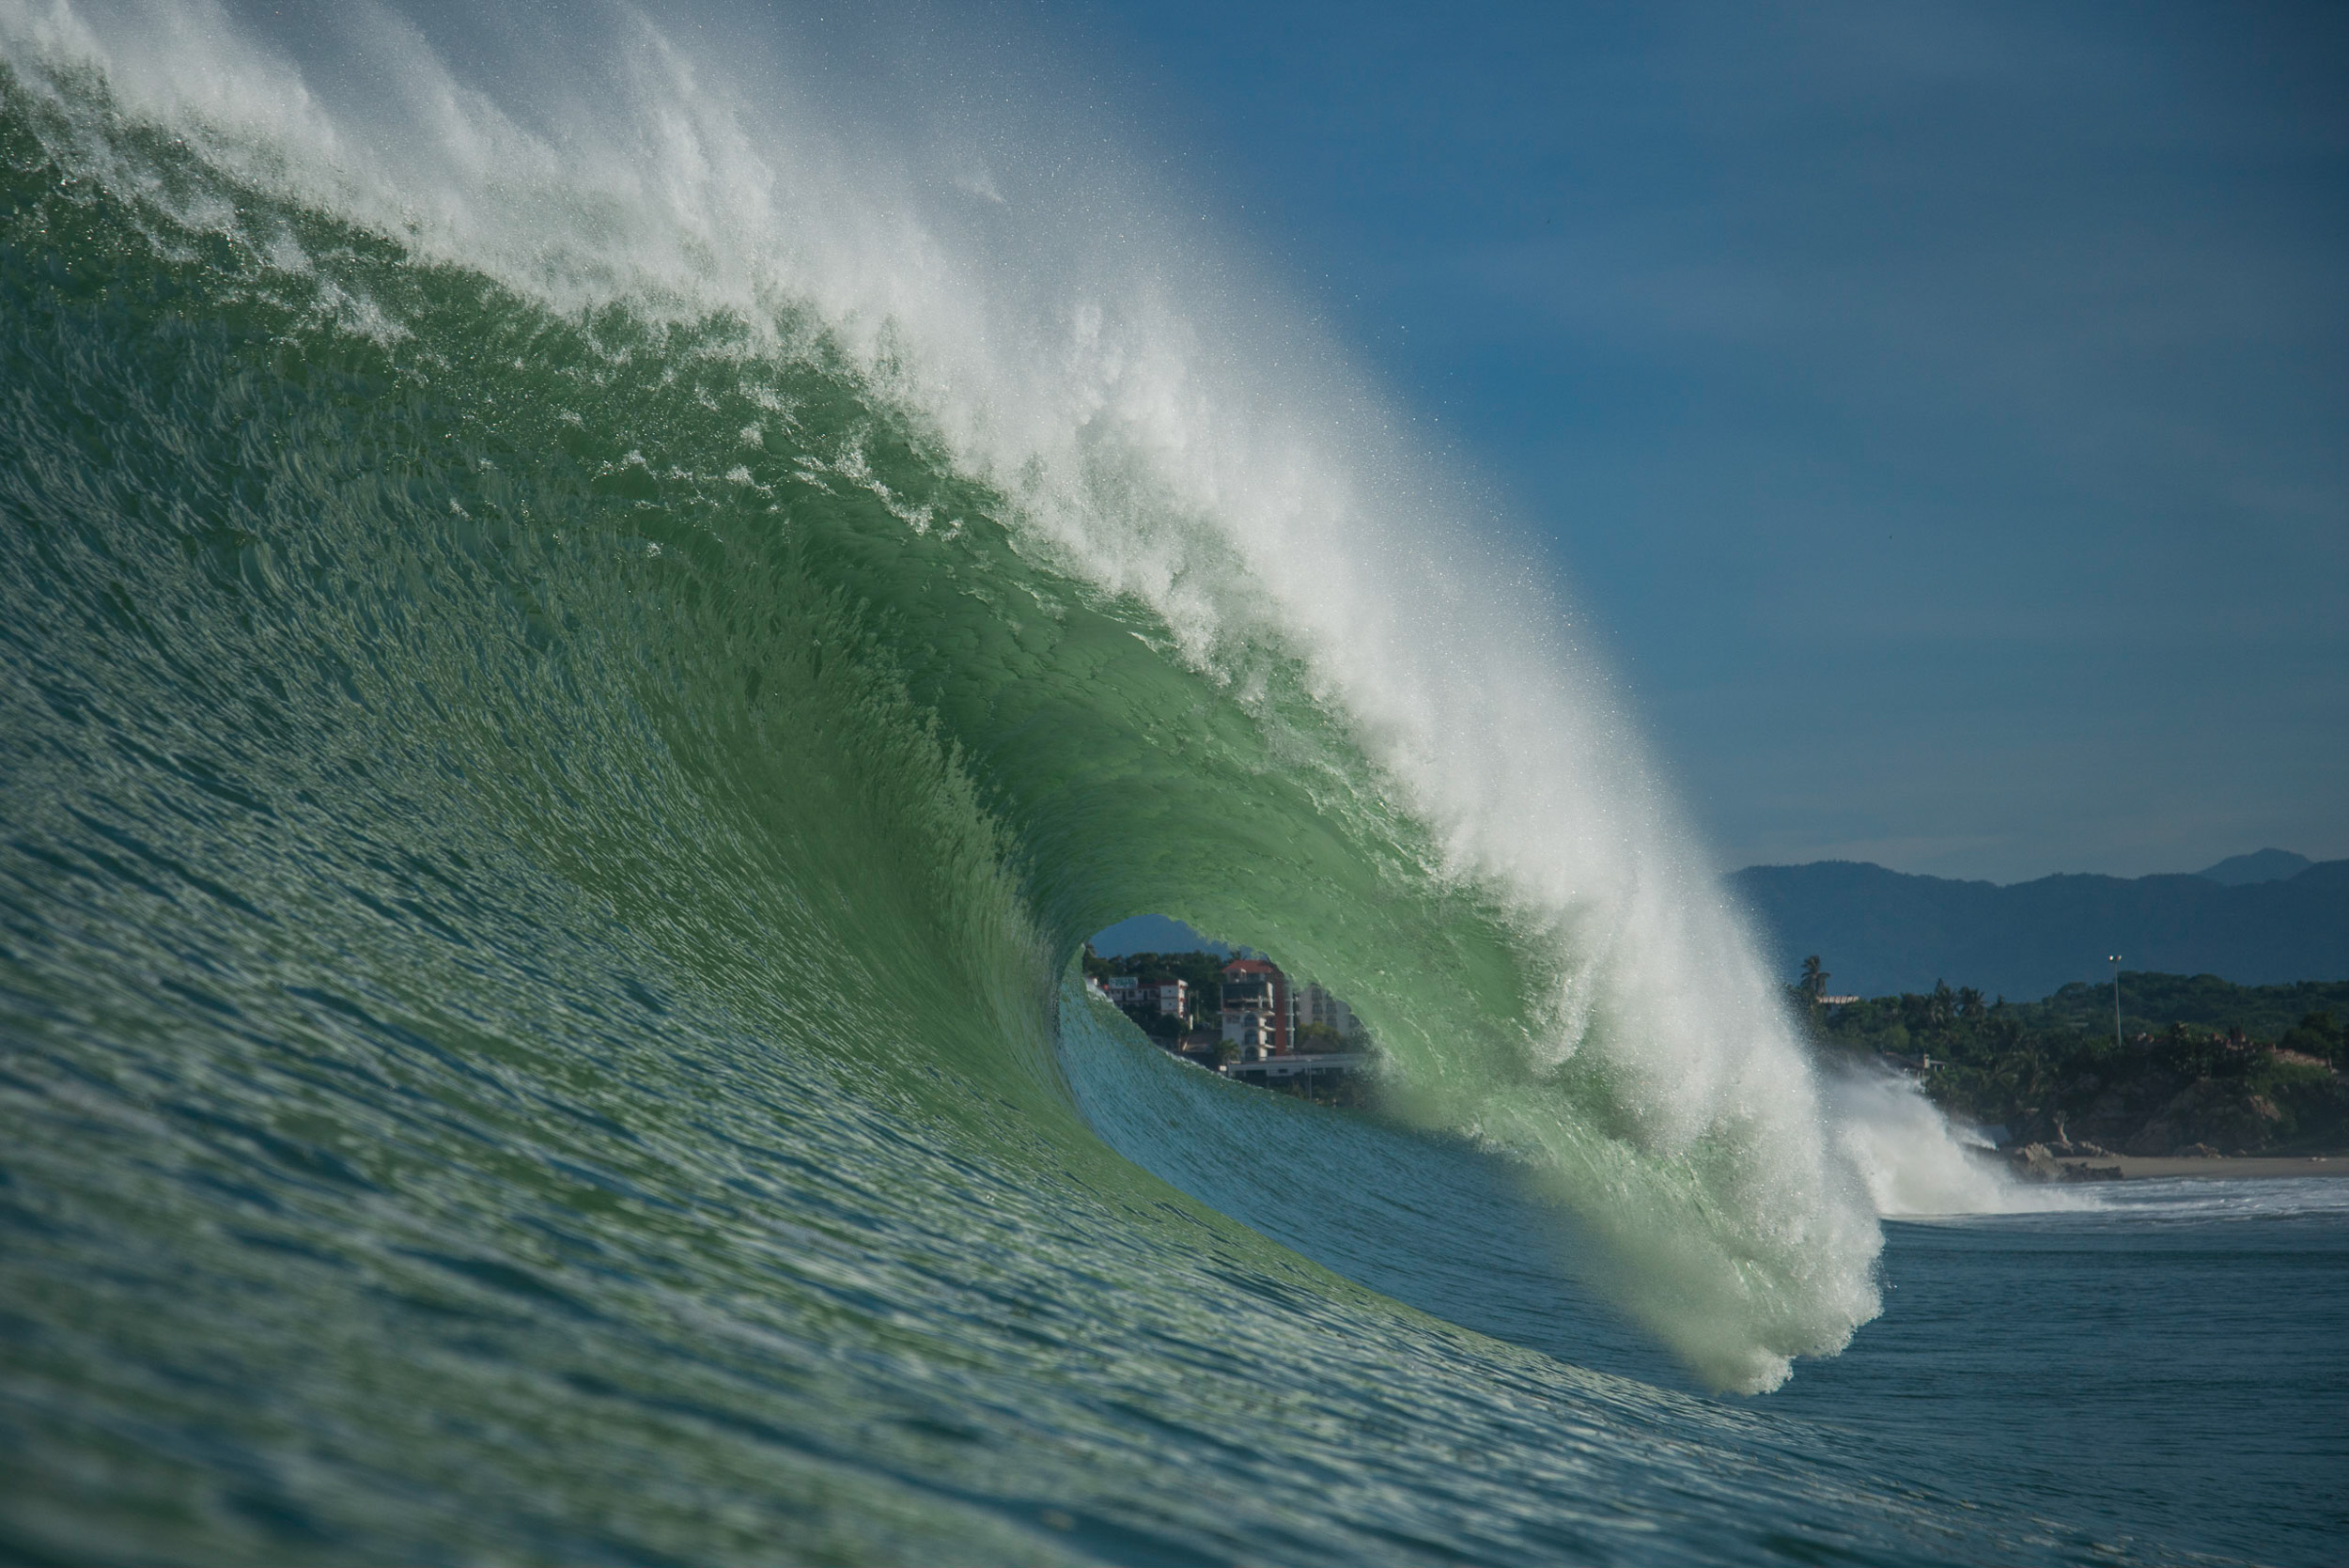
[2150, 1003]
[2239, 1069]
[1204, 971]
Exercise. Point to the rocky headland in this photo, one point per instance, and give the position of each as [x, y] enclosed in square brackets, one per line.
[2240, 1076]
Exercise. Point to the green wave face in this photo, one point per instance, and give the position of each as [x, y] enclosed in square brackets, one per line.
[545, 840]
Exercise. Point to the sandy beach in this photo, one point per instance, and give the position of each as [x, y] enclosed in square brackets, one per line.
[2133, 1168]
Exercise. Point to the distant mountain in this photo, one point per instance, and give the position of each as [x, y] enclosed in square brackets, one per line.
[2266, 865]
[1882, 931]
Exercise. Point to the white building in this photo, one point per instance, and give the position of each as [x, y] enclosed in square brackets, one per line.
[1311, 1005]
[1172, 997]
[1255, 1000]
[1256, 1033]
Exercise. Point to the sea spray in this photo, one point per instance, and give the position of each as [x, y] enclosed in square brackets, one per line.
[1912, 1160]
[1197, 625]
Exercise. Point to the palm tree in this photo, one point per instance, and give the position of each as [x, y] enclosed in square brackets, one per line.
[1814, 982]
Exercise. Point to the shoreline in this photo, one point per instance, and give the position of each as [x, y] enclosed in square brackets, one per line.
[2221, 1167]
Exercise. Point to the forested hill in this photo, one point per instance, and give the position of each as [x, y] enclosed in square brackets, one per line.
[1884, 931]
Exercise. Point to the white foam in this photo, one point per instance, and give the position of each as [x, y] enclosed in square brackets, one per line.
[1914, 1164]
[1169, 426]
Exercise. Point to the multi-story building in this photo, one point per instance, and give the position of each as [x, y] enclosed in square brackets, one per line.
[1172, 998]
[1312, 1004]
[1256, 1008]
[1122, 990]
[1253, 1033]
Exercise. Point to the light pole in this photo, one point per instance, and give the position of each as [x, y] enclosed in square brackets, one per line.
[2114, 959]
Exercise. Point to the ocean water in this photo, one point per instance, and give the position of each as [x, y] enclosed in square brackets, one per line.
[578, 650]
[2168, 1360]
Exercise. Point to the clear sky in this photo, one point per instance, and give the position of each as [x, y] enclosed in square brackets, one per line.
[1943, 409]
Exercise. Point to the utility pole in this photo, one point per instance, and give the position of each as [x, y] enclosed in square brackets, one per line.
[2114, 959]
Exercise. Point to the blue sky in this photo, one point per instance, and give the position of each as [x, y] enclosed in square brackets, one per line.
[1943, 409]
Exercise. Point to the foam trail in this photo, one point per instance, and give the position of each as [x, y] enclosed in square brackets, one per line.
[1914, 1163]
[1164, 426]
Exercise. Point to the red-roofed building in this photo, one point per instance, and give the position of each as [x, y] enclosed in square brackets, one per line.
[1256, 1007]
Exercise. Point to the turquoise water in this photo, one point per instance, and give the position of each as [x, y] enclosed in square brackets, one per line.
[547, 810]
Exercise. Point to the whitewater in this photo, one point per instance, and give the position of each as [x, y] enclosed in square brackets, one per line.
[591, 615]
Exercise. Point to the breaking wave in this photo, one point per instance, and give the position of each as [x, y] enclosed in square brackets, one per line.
[586, 635]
